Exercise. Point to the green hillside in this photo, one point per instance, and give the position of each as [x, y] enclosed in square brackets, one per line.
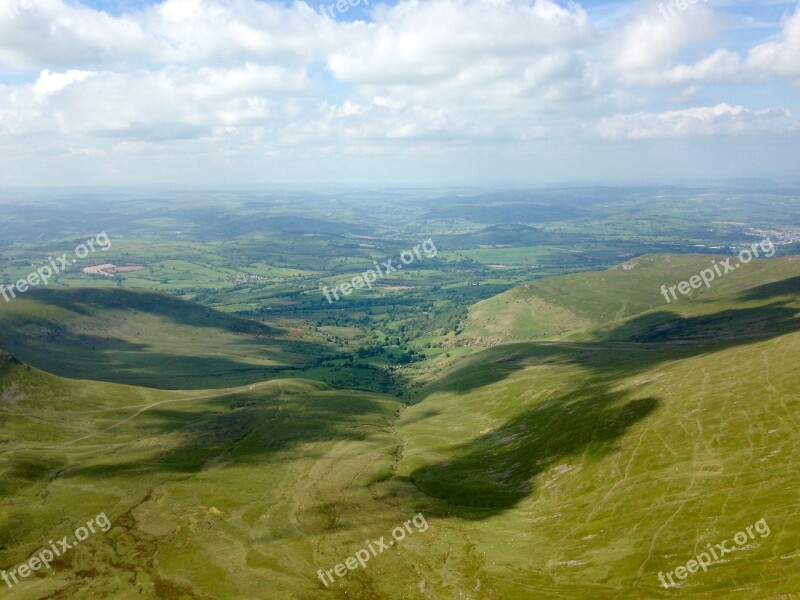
[222, 493]
[555, 305]
[144, 338]
[576, 467]
[585, 468]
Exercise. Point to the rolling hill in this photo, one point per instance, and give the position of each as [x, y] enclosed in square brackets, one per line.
[209, 493]
[587, 465]
[557, 305]
[145, 338]
[579, 460]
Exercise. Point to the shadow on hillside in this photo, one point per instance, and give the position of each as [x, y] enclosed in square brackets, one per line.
[498, 469]
[64, 349]
[80, 356]
[725, 328]
[244, 428]
[495, 471]
[86, 301]
[776, 289]
[635, 345]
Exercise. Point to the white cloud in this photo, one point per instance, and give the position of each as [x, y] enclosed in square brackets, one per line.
[722, 65]
[172, 103]
[51, 83]
[780, 57]
[51, 33]
[224, 80]
[648, 61]
[650, 41]
[465, 43]
[702, 121]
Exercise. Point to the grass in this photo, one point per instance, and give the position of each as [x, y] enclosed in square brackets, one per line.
[585, 469]
[571, 463]
[557, 305]
[227, 488]
[146, 338]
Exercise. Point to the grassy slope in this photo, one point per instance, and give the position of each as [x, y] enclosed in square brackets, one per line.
[226, 493]
[584, 468]
[555, 305]
[143, 338]
[570, 469]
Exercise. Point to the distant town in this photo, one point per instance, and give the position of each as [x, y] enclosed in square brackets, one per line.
[782, 237]
[246, 278]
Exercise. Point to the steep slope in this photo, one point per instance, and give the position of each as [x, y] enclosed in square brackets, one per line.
[144, 338]
[587, 467]
[580, 467]
[555, 305]
[221, 493]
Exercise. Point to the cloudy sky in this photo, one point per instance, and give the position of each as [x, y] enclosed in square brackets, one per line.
[415, 92]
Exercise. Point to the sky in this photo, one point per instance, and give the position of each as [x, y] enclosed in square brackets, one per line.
[413, 92]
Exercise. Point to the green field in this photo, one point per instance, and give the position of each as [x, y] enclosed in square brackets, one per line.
[564, 431]
[147, 339]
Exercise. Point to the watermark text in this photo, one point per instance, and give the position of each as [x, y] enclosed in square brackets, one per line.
[43, 274]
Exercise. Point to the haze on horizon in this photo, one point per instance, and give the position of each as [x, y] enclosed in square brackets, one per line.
[435, 92]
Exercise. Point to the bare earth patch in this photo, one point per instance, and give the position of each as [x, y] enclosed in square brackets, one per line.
[108, 270]
[12, 394]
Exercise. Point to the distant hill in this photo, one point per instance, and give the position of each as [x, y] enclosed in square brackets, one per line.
[143, 338]
[508, 212]
[556, 305]
[512, 234]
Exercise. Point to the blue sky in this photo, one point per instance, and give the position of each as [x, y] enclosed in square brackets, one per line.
[412, 92]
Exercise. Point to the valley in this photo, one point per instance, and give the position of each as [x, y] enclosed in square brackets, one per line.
[399, 300]
[564, 431]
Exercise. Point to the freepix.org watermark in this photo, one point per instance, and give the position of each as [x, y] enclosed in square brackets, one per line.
[43, 274]
[680, 5]
[720, 269]
[341, 6]
[714, 553]
[46, 556]
[351, 563]
[383, 269]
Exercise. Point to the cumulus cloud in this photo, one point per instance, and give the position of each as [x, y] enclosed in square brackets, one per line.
[52, 32]
[650, 41]
[781, 57]
[648, 60]
[175, 102]
[50, 83]
[701, 121]
[465, 43]
[226, 79]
